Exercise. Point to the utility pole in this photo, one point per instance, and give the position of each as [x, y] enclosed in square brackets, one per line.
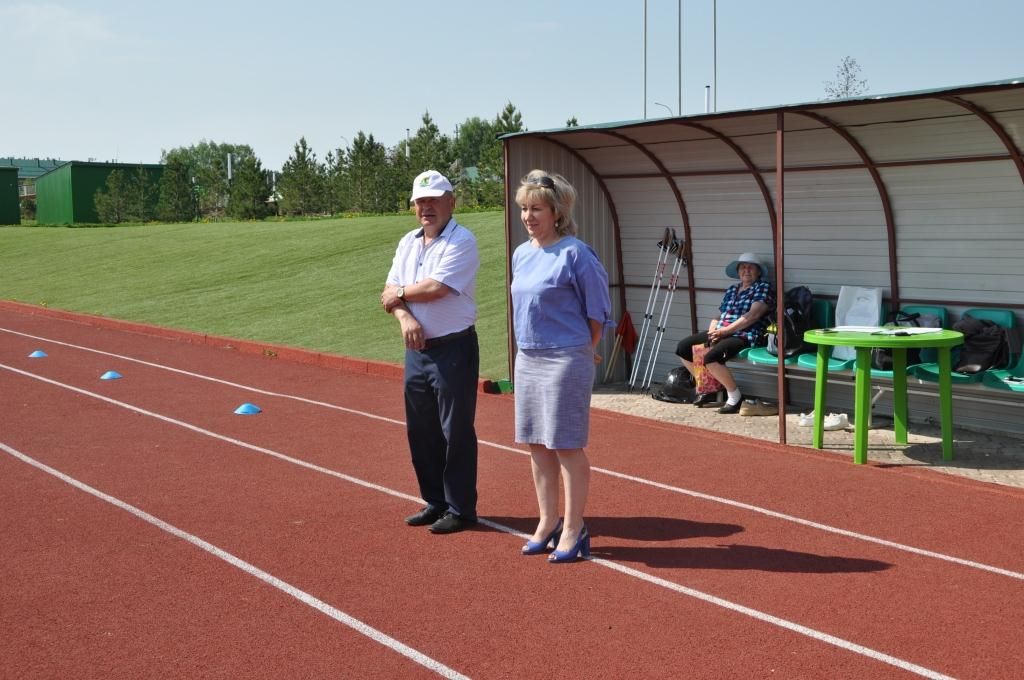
[645, 59]
[679, 108]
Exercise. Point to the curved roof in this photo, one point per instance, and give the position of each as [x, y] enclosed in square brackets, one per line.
[918, 193]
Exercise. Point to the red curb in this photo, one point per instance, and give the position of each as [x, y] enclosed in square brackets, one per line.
[300, 355]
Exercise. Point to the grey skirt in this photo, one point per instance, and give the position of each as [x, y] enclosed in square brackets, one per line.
[552, 392]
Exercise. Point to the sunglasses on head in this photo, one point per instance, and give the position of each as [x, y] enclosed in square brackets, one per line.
[543, 181]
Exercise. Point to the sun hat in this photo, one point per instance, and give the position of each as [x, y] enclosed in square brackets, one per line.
[733, 268]
[430, 183]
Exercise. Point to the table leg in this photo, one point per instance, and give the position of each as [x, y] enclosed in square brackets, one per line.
[946, 402]
[899, 394]
[862, 405]
[820, 380]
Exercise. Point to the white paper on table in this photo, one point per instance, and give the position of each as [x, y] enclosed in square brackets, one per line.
[908, 330]
[890, 330]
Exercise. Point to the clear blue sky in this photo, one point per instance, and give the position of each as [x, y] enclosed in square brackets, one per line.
[113, 79]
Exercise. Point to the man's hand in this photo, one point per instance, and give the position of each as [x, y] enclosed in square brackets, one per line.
[389, 298]
[412, 331]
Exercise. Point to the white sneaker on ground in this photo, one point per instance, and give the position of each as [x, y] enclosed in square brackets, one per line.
[807, 419]
[836, 421]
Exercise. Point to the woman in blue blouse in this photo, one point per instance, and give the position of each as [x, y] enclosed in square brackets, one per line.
[560, 309]
[742, 322]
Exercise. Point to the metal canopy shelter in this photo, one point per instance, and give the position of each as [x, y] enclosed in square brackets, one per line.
[918, 193]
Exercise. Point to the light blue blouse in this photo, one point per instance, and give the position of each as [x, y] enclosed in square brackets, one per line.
[555, 291]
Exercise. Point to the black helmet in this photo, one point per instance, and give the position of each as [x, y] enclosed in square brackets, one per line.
[678, 387]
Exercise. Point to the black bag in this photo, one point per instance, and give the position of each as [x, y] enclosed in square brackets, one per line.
[678, 388]
[796, 319]
[986, 345]
[881, 357]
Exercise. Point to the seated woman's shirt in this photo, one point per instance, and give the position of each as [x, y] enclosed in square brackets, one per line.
[738, 302]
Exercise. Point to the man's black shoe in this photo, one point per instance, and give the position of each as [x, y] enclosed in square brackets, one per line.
[451, 523]
[705, 399]
[731, 408]
[427, 515]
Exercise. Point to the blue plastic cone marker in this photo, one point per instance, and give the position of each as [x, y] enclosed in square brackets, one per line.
[247, 409]
[38, 354]
[110, 375]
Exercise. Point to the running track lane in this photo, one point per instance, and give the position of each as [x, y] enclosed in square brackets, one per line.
[902, 604]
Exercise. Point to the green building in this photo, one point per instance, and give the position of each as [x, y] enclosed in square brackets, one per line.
[10, 208]
[67, 194]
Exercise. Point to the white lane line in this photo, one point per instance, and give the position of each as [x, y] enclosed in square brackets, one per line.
[611, 473]
[776, 621]
[629, 571]
[200, 376]
[285, 587]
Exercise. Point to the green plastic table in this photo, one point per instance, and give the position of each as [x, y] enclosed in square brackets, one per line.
[864, 342]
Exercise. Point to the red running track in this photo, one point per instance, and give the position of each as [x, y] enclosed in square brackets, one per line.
[150, 532]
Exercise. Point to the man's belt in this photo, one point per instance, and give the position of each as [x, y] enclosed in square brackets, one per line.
[442, 339]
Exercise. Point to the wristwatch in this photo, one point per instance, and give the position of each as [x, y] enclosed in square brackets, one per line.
[401, 292]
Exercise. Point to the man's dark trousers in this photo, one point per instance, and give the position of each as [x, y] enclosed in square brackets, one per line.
[440, 410]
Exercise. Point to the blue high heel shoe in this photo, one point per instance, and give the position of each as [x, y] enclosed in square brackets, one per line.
[537, 547]
[581, 549]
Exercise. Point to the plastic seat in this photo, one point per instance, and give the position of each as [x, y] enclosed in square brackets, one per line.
[1006, 378]
[1003, 378]
[929, 355]
[810, 360]
[760, 355]
[823, 316]
[1001, 317]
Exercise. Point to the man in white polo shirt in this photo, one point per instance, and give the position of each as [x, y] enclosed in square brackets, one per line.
[431, 290]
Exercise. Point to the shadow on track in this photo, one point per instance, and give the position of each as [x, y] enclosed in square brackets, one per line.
[638, 528]
[735, 557]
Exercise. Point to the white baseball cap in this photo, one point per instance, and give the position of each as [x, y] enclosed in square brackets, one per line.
[430, 183]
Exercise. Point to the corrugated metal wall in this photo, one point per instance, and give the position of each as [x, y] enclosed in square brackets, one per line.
[86, 180]
[54, 198]
[10, 207]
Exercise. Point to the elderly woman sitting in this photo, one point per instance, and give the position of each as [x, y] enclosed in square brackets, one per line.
[741, 324]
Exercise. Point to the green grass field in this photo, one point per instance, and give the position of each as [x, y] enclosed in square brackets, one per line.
[312, 284]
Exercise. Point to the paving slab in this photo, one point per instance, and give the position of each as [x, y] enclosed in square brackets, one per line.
[986, 457]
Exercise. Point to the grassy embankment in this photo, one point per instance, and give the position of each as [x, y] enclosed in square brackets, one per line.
[312, 284]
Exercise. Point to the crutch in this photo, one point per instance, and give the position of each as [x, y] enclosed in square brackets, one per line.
[664, 248]
[666, 306]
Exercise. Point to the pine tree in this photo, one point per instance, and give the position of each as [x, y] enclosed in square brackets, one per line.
[489, 187]
[177, 200]
[250, 189]
[112, 199]
[367, 170]
[302, 182]
[142, 196]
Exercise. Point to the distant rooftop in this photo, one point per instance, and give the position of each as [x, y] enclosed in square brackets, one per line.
[30, 168]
